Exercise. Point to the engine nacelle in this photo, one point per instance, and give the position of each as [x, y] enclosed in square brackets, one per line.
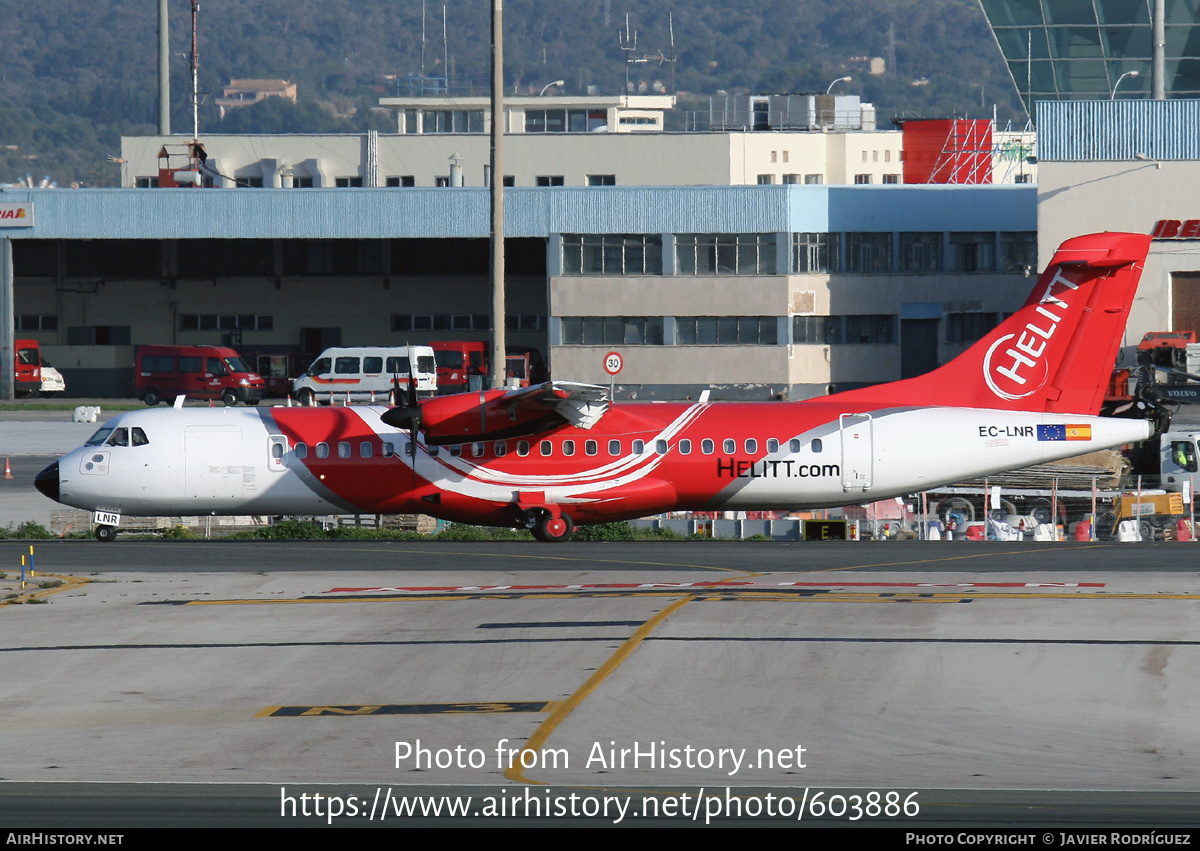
[465, 417]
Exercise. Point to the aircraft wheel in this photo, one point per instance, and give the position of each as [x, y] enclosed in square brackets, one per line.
[551, 530]
[151, 397]
[229, 397]
[106, 533]
[306, 398]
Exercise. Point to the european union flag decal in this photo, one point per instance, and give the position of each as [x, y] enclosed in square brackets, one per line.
[1051, 432]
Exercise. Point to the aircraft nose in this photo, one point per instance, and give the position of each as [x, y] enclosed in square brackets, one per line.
[47, 481]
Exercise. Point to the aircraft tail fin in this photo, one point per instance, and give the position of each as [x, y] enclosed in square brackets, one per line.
[1056, 353]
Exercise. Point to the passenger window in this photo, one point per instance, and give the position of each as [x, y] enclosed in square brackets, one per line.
[276, 450]
[301, 450]
[685, 447]
[322, 450]
[568, 447]
[433, 451]
[373, 365]
[660, 446]
[388, 449]
[345, 366]
[729, 446]
[614, 448]
[191, 365]
[343, 449]
[794, 445]
[816, 444]
[139, 437]
[638, 447]
[456, 450]
[476, 450]
[707, 446]
[772, 445]
[590, 447]
[522, 448]
[217, 367]
[751, 446]
[364, 449]
[501, 448]
[545, 447]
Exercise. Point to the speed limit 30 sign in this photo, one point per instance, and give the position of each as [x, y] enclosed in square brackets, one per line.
[613, 363]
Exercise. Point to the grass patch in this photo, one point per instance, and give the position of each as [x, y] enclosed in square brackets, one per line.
[29, 530]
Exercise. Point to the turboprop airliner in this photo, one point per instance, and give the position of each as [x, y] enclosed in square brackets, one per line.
[558, 454]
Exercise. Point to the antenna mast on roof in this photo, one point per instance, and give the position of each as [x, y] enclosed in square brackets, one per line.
[628, 44]
[195, 62]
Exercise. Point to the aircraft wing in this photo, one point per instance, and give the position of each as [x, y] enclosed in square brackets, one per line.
[582, 405]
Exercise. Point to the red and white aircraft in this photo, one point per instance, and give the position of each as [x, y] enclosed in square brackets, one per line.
[557, 454]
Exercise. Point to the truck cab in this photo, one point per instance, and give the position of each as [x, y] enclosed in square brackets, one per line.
[1179, 459]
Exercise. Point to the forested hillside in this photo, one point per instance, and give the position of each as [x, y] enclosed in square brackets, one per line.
[77, 74]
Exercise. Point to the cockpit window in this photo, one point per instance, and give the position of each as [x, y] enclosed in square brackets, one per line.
[99, 437]
[139, 437]
[119, 437]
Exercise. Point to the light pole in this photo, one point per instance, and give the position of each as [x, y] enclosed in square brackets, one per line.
[1113, 95]
[548, 85]
[845, 79]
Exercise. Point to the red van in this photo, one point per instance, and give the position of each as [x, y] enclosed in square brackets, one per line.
[198, 372]
[27, 380]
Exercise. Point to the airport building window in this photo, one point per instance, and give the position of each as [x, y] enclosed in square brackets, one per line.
[891, 179]
[403, 180]
[348, 182]
[878, 329]
[725, 254]
[612, 330]
[815, 252]
[563, 120]
[465, 322]
[612, 254]
[226, 322]
[969, 327]
[36, 322]
[549, 180]
[601, 180]
[726, 330]
[1018, 251]
[868, 252]
[452, 121]
[862, 179]
[921, 252]
[973, 251]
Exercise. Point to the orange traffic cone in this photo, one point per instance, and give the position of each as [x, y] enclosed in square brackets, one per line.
[7, 469]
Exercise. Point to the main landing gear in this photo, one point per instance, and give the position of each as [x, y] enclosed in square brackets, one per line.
[549, 528]
[106, 533]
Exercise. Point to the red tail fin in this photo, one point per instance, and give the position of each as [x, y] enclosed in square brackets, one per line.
[1056, 353]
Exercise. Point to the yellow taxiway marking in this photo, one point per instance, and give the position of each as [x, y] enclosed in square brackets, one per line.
[516, 772]
[69, 583]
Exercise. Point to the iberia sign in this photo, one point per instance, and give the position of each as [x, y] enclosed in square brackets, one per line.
[16, 215]
[1176, 229]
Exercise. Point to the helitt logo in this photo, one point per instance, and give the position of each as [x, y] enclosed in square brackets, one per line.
[1018, 369]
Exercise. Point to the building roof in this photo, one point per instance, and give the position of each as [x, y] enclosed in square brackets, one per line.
[529, 212]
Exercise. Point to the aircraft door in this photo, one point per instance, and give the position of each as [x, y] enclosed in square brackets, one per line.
[277, 450]
[213, 469]
[858, 452]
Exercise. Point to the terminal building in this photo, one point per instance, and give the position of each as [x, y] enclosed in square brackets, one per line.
[753, 291]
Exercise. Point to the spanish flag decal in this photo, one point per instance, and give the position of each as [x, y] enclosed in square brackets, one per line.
[1079, 432]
